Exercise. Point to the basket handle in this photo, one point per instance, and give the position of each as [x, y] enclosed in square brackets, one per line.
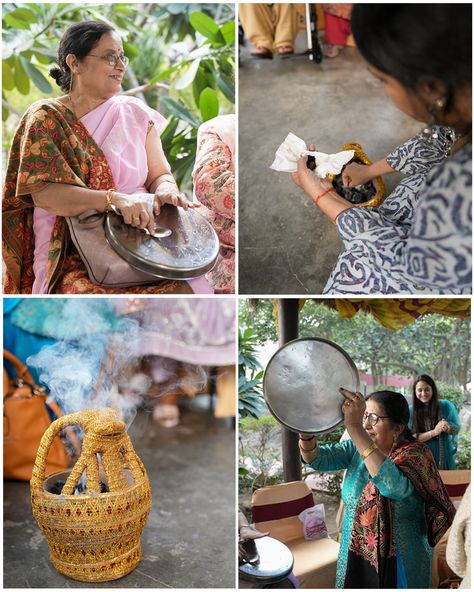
[80, 418]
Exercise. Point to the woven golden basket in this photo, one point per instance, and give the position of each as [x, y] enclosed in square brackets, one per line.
[93, 536]
[361, 157]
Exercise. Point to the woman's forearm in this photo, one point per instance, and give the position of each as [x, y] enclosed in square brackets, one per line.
[426, 436]
[379, 168]
[362, 442]
[330, 203]
[69, 200]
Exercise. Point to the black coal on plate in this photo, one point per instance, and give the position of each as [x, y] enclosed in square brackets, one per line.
[356, 195]
[58, 487]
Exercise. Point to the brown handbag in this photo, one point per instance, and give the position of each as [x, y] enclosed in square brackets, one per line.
[26, 416]
[105, 266]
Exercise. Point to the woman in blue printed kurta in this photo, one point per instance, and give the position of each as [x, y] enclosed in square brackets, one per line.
[396, 507]
[434, 422]
[420, 239]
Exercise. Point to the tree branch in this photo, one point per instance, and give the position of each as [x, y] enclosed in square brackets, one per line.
[144, 87]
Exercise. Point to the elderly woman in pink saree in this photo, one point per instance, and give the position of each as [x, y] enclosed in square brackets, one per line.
[87, 150]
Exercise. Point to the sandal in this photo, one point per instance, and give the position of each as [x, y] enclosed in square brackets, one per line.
[332, 51]
[285, 50]
[262, 52]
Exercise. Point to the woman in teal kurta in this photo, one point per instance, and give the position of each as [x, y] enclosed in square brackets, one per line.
[396, 506]
[434, 421]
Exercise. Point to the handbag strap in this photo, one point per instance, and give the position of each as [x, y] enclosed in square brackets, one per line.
[23, 374]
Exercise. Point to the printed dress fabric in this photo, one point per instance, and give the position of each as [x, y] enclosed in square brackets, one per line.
[419, 240]
[414, 553]
[52, 146]
[214, 187]
[444, 446]
[196, 331]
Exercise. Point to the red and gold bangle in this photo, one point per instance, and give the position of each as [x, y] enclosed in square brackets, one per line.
[316, 200]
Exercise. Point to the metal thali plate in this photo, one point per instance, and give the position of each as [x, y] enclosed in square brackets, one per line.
[302, 381]
[189, 251]
[275, 562]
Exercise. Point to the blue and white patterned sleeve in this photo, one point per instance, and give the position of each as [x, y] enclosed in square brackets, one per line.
[418, 155]
[437, 252]
[391, 482]
[334, 457]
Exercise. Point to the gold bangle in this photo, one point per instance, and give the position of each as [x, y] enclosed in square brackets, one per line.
[108, 199]
[368, 451]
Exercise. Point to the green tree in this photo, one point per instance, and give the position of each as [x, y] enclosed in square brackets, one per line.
[434, 344]
[251, 402]
[181, 63]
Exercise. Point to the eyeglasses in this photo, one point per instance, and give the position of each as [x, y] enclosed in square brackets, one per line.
[112, 59]
[373, 418]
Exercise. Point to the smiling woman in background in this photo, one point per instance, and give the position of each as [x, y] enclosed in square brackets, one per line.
[87, 150]
[434, 421]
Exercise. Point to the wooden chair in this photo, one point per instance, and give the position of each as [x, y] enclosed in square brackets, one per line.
[275, 509]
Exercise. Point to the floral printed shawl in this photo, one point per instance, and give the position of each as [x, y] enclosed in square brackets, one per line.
[372, 551]
[50, 146]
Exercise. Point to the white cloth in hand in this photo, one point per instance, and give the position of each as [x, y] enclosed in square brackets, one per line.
[293, 148]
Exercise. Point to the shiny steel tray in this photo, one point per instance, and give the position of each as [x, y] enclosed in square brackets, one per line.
[189, 251]
[301, 384]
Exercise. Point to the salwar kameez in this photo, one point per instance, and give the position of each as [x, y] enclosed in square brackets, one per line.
[414, 553]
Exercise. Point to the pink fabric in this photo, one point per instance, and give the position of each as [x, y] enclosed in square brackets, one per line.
[42, 227]
[214, 188]
[192, 330]
[119, 126]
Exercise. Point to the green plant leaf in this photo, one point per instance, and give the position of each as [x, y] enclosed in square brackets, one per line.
[38, 79]
[22, 82]
[8, 82]
[45, 51]
[169, 132]
[208, 104]
[15, 23]
[228, 32]
[23, 14]
[42, 59]
[165, 74]
[181, 111]
[187, 78]
[226, 87]
[206, 26]
[130, 50]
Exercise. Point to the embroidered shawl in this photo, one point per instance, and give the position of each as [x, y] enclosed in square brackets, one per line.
[372, 550]
[50, 145]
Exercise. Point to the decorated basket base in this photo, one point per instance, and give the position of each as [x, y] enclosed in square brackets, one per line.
[93, 536]
[371, 193]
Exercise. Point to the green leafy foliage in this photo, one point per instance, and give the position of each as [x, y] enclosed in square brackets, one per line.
[463, 454]
[182, 54]
[434, 345]
[251, 403]
[259, 453]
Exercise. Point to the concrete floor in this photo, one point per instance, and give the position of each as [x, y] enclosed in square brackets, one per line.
[286, 245]
[189, 541]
